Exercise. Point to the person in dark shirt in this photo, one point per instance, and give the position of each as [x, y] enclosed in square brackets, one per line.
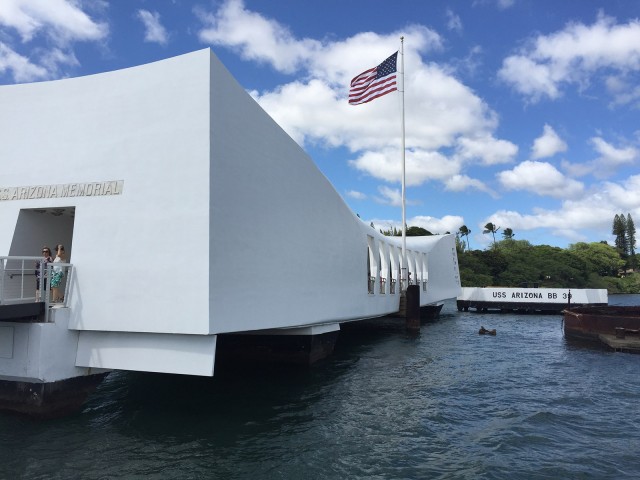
[41, 271]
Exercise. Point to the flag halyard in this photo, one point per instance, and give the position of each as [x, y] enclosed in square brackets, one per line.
[374, 82]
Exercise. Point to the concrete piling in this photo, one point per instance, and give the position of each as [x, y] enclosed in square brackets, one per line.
[412, 320]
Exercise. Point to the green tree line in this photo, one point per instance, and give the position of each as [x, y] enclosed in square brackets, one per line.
[513, 263]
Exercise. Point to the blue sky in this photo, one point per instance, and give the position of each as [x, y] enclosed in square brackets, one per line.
[519, 112]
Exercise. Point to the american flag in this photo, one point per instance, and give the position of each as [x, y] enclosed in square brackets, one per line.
[375, 82]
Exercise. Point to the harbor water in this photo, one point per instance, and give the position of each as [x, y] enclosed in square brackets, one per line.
[448, 403]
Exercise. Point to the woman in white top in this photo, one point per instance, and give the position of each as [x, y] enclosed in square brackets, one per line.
[58, 273]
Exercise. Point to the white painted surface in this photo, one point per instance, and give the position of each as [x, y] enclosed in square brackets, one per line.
[134, 253]
[42, 352]
[224, 223]
[6, 341]
[149, 352]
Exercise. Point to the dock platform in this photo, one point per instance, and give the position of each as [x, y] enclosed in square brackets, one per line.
[627, 344]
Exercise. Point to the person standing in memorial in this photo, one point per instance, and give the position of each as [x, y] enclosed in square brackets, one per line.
[41, 271]
[58, 273]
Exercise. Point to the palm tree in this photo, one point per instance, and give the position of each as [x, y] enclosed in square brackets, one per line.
[508, 234]
[490, 227]
[464, 232]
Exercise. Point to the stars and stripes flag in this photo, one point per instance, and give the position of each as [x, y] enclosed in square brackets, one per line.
[375, 82]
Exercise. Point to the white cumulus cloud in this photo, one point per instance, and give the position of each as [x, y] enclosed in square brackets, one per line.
[609, 158]
[154, 30]
[540, 178]
[448, 223]
[62, 20]
[420, 166]
[255, 37]
[593, 211]
[57, 24]
[21, 68]
[612, 156]
[548, 144]
[441, 112]
[572, 56]
[453, 21]
[393, 197]
[458, 183]
[356, 195]
[487, 149]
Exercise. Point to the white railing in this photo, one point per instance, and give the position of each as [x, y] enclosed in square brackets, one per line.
[62, 273]
[18, 281]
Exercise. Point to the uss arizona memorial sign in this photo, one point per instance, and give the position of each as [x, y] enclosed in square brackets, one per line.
[529, 298]
[33, 192]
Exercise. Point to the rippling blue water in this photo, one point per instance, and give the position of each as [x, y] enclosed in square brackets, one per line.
[449, 403]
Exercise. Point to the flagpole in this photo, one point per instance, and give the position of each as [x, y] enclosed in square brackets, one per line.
[404, 220]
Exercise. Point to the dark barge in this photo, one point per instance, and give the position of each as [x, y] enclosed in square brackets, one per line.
[617, 327]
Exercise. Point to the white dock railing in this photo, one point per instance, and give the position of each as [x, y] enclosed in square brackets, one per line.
[18, 281]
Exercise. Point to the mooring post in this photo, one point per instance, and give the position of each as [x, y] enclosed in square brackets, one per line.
[412, 320]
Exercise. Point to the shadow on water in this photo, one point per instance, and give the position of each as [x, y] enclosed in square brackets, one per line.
[235, 386]
[577, 344]
[241, 399]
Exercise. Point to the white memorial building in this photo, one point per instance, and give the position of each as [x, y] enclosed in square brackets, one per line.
[186, 214]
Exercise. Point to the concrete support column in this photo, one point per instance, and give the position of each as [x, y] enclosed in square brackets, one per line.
[412, 321]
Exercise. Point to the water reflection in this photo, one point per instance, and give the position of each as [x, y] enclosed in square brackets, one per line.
[527, 403]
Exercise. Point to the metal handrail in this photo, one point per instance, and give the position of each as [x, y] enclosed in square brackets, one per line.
[21, 272]
[11, 275]
[25, 268]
